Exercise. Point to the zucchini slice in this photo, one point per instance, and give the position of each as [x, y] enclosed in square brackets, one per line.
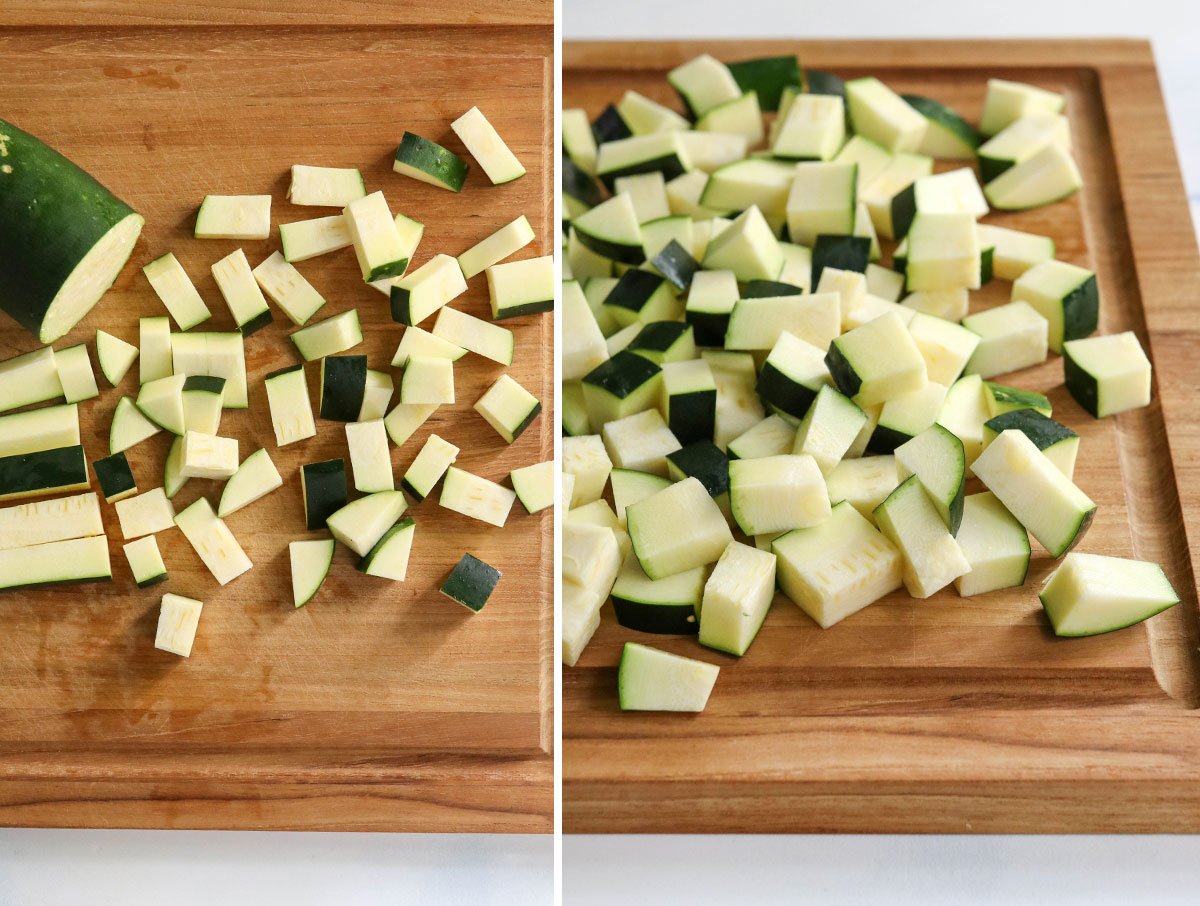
[343, 383]
[323, 485]
[1090, 594]
[306, 239]
[208, 456]
[474, 335]
[310, 562]
[1109, 374]
[145, 561]
[55, 563]
[288, 289]
[471, 583]
[710, 302]
[508, 407]
[813, 129]
[145, 514]
[210, 537]
[828, 429]
[994, 543]
[864, 483]
[690, 399]
[129, 427]
[418, 295]
[427, 380]
[777, 493]
[115, 356]
[792, 375]
[476, 497]
[39, 429]
[624, 385]
[669, 605]
[1020, 140]
[75, 374]
[60, 260]
[255, 478]
[154, 339]
[388, 559]
[429, 162]
[431, 463]
[534, 485]
[234, 217]
[911, 521]
[736, 598]
[291, 411]
[361, 523]
[330, 187]
[822, 200]
[43, 521]
[328, 337]
[653, 680]
[178, 619]
[29, 378]
[175, 289]
[747, 247]
[521, 287]
[505, 242]
[487, 147]
[370, 456]
[161, 401]
[1001, 399]
[381, 249]
[115, 477]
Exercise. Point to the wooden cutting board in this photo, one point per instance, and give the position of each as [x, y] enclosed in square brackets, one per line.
[379, 705]
[951, 714]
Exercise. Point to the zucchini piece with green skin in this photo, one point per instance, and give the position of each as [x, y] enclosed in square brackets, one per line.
[818, 81]
[947, 135]
[813, 129]
[777, 493]
[879, 114]
[690, 400]
[747, 247]
[792, 375]
[146, 514]
[741, 117]
[429, 162]
[609, 126]
[44, 472]
[773, 436]
[388, 559]
[648, 117]
[361, 523]
[75, 374]
[994, 543]
[939, 461]
[736, 598]
[382, 250]
[471, 583]
[255, 478]
[234, 217]
[702, 84]
[1048, 176]
[876, 362]
[1057, 442]
[676, 264]
[640, 441]
[29, 378]
[579, 144]
[846, 253]
[56, 563]
[115, 477]
[203, 403]
[129, 427]
[829, 428]
[1020, 140]
[669, 605]
[145, 561]
[703, 460]
[1012, 337]
[161, 401]
[426, 290]
[534, 486]
[115, 356]
[421, 342]
[1091, 595]
[1014, 252]
[476, 497]
[1108, 374]
[508, 407]
[880, 194]
[624, 385]
[505, 242]
[176, 291]
[945, 346]
[65, 237]
[304, 239]
[665, 341]
[291, 411]
[661, 548]
[770, 289]
[653, 680]
[370, 456]
[611, 229]
[710, 301]
[376, 396]
[521, 287]
[331, 187]
[288, 289]
[1065, 295]
[436, 456]
[209, 456]
[630, 487]
[173, 479]
[661, 152]
[323, 486]
[403, 421]
[343, 382]
[751, 182]
[328, 337]
[768, 77]
[157, 349]
[213, 542]
[428, 380]
[864, 483]
[640, 296]
[310, 562]
[1008, 101]
[178, 620]
[757, 323]
[904, 417]
[1001, 399]
[474, 335]
[950, 192]
[580, 190]
[39, 429]
[484, 143]
[910, 520]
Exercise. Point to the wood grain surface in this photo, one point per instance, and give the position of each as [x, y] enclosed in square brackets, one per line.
[378, 705]
[952, 714]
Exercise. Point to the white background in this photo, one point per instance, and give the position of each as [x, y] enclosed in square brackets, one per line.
[895, 870]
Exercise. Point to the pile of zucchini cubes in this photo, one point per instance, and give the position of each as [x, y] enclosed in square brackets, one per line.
[188, 377]
[754, 400]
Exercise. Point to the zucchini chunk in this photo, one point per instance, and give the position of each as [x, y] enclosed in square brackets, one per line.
[429, 162]
[208, 456]
[664, 342]
[768, 77]
[173, 481]
[864, 483]
[420, 342]
[939, 461]
[505, 242]
[828, 429]
[641, 441]
[586, 459]
[328, 337]
[431, 463]
[291, 411]
[667, 605]
[115, 477]
[361, 523]
[306, 239]
[145, 514]
[757, 324]
[55, 563]
[43, 521]
[161, 401]
[330, 187]
[951, 192]
[579, 143]
[964, 412]
[474, 335]
[323, 485]
[994, 543]
[884, 283]
[65, 237]
[845, 253]
[370, 456]
[145, 561]
[736, 598]
[741, 117]
[791, 376]
[423, 292]
[1065, 295]
[403, 421]
[343, 383]
[203, 402]
[1107, 375]
[630, 487]
[710, 301]
[777, 493]
[508, 407]
[640, 297]
[662, 550]
[884, 192]
[471, 583]
[1014, 252]
[1007, 101]
[39, 429]
[29, 378]
[747, 247]
[583, 345]
[943, 253]
[256, 477]
[646, 117]
[487, 147]
[690, 399]
[876, 362]
[945, 346]
[175, 289]
[75, 374]
[591, 554]
[382, 250]
[705, 461]
[653, 680]
[377, 395]
[738, 405]
[534, 486]
[822, 199]
[870, 158]
[910, 520]
[882, 116]
[521, 287]
[813, 129]
[1048, 176]
[612, 229]
[288, 289]
[773, 436]
[476, 497]
[427, 379]
[220, 355]
[902, 418]
[1020, 140]
[115, 356]
[1089, 594]
[1054, 510]
[580, 619]
[310, 562]
[388, 559]
[624, 385]
[213, 542]
[234, 217]
[178, 620]
[1012, 337]
[702, 84]
[947, 135]
[129, 427]
[1001, 399]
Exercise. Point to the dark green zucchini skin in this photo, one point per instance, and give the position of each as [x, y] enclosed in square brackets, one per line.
[343, 384]
[51, 214]
[471, 582]
[44, 472]
[324, 491]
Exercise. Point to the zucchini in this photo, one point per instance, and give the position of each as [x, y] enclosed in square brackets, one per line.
[871, 159]
[1001, 399]
[758, 323]
[65, 237]
[310, 562]
[710, 301]
[288, 289]
[1014, 252]
[430, 163]
[145, 514]
[939, 461]
[210, 537]
[910, 520]
[43, 521]
[630, 487]
[945, 346]
[487, 147]
[741, 117]
[876, 362]
[388, 559]
[813, 129]
[580, 190]
[161, 401]
[646, 117]
[431, 463]
[380, 246]
[39, 429]
[947, 135]
[1107, 375]
[747, 247]
[773, 436]
[29, 378]
[1007, 101]
[256, 477]
[943, 253]
[845, 253]
[768, 77]
[370, 456]
[115, 356]
[1090, 594]
[753, 182]
[641, 441]
[178, 619]
[129, 427]
[579, 144]
[612, 229]
[676, 263]
[1057, 442]
[521, 287]
[145, 561]
[609, 126]
[823, 199]
[828, 429]
[343, 382]
[583, 347]
[471, 583]
[208, 456]
[1048, 176]
[792, 374]
[994, 543]
[641, 297]
[330, 187]
[328, 337]
[306, 239]
[626, 384]
[488, 340]
[534, 486]
[377, 395]
[420, 342]
[864, 483]
[420, 294]
[664, 341]
[173, 481]
[323, 486]
[777, 493]
[234, 217]
[653, 680]
[950, 192]
[964, 413]
[75, 374]
[476, 497]
[736, 598]
[1065, 295]
[902, 418]
[703, 460]
[291, 411]
[662, 550]
[361, 523]
[1020, 140]
[203, 402]
[884, 191]
[403, 421]
[508, 407]
[703, 83]
[1011, 337]
[175, 289]
[115, 477]
[580, 618]
[882, 116]
[221, 355]
[428, 380]
[55, 563]
[505, 242]
[690, 400]
[667, 605]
